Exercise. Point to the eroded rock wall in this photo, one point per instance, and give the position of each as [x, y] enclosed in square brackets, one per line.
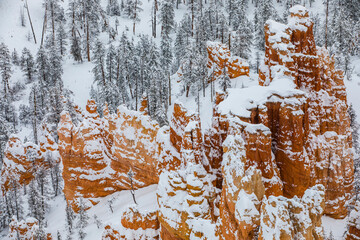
[99, 152]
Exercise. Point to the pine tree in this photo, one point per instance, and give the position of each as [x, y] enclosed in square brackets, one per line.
[263, 12]
[113, 8]
[15, 58]
[61, 38]
[192, 69]
[225, 81]
[75, 38]
[110, 90]
[243, 39]
[7, 123]
[167, 16]
[28, 65]
[5, 68]
[83, 219]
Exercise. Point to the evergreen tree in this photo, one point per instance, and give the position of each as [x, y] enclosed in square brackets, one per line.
[192, 69]
[263, 12]
[225, 81]
[132, 10]
[61, 38]
[113, 8]
[5, 68]
[83, 219]
[243, 39]
[167, 16]
[15, 58]
[27, 64]
[356, 145]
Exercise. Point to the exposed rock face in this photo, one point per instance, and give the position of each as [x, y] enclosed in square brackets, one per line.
[139, 224]
[98, 153]
[353, 232]
[277, 157]
[110, 233]
[284, 218]
[184, 198]
[320, 139]
[19, 162]
[135, 224]
[24, 229]
[219, 56]
[242, 192]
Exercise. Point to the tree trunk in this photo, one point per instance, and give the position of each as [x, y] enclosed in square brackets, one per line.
[87, 40]
[326, 23]
[32, 27]
[169, 89]
[44, 25]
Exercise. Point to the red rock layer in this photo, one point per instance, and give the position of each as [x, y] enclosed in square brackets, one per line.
[139, 224]
[353, 232]
[312, 139]
[19, 161]
[99, 152]
[219, 56]
[24, 230]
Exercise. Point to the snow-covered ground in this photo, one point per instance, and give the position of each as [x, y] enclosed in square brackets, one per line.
[145, 197]
[78, 78]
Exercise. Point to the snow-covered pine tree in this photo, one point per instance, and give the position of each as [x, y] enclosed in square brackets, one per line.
[99, 73]
[75, 38]
[27, 64]
[243, 39]
[167, 16]
[355, 126]
[225, 81]
[132, 10]
[5, 69]
[7, 122]
[15, 58]
[113, 8]
[263, 12]
[192, 68]
[83, 219]
[166, 61]
[61, 36]
[110, 90]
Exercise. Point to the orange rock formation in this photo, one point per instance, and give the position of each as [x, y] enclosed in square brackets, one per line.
[19, 162]
[99, 152]
[24, 230]
[219, 57]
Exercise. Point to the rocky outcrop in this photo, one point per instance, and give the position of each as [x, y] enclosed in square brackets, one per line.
[296, 218]
[219, 57]
[319, 139]
[139, 224]
[99, 152]
[25, 229]
[19, 162]
[184, 198]
[353, 232]
[110, 233]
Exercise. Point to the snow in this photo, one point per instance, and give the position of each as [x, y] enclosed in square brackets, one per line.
[145, 197]
[78, 78]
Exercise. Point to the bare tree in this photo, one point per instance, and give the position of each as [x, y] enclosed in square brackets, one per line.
[130, 176]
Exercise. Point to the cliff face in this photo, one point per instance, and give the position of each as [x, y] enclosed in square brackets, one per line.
[280, 153]
[312, 137]
[99, 152]
[219, 57]
[21, 160]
